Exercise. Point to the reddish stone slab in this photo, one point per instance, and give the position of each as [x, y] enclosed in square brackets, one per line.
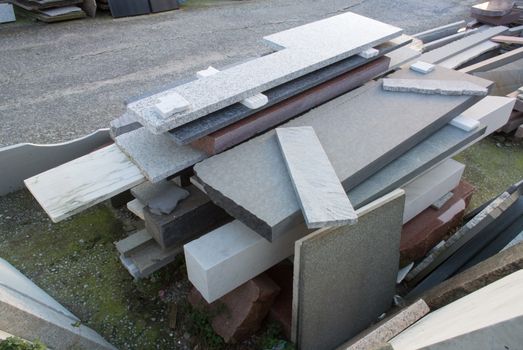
[240, 313]
[266, 119]
[428, 228]
[281, 310]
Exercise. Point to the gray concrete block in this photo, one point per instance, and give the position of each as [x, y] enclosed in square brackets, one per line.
[345, 277]
[250, 181]
[322, 199]
[441, 87]
[305, 49]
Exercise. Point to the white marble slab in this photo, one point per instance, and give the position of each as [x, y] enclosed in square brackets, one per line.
[322, 199]
[304, 49]
[81, 183]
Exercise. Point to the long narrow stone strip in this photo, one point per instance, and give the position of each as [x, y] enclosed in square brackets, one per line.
[322, 198]
[495, 62]
[305, 49]
[440, 54]
[469, 54]
[441, 87]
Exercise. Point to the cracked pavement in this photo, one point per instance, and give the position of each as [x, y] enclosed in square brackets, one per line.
[64, 80]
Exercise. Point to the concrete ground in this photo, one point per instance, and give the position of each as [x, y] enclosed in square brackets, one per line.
[64, 80]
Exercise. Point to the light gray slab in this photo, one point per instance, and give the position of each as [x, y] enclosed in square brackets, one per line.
[134, 242]
[321, 196]
[433, 86]
[18, 162]
[157, 156]
[469, 54]
[440, 32]
[448, 39]
[161, 197]
[6, 13]
[250, 181]
[489, 318]
[304, 49]
[345, 277]
[495, 62]
[440, 54]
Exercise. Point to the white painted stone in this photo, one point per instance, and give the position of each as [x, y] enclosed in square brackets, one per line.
[369, 53]
[441, 87]
[170, 104]
[430, 186]
[227, 257]
[422, 67]
[307, 48]
[321, 196]
[81, 183]
[469, 54]
[489, 318]
[492, 111]
[464, 123]
[207, 72]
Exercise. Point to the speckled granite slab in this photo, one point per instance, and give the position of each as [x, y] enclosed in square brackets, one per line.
[322, 199]
[304, 49]
[205, 125]
[361, 132]
[345, 277]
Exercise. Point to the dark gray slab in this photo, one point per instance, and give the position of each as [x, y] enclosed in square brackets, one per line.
[361, 132]
[229, 115]
[192, 217]
[163, 5]
[345, 277]
[124, 8]
[434, 149]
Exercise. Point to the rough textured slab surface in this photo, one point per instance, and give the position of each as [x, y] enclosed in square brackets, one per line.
[385, 330]
[475, 323]
[476, 277]
[264, 120]
[322, 199]
[157, 156]
[18, 162]
[81, 183]
[148, 258]
[469, 54]
[250, 181]
[440, 54]
[425, 189]
[329, 265]
[161, 198]
[305, 49]
[441, 87]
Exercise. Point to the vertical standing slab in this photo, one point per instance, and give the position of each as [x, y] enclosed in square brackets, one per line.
[345, 277]
[321, 196]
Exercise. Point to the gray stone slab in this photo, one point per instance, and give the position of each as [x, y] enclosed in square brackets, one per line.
[469, 54]
[157, 156]
[439, 146]
[322, 199]
[441, 202]
[231, 114]
[345, 277]
[161, 198]
[131, 244]
[433, 86]
[306, 49]
[124, 123]
[444, 52]
[250, 181]
[494, 8]
[388, 328]
[440, 32]
[448, 39]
